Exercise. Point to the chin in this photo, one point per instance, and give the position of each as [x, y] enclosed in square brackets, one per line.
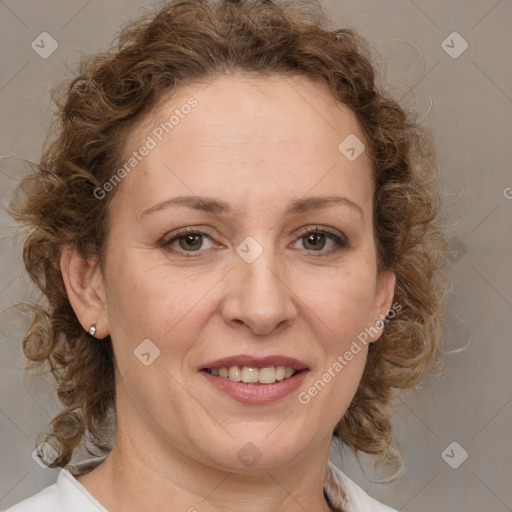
[261, 448]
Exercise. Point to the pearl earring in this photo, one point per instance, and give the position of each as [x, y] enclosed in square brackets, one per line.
[92, 330]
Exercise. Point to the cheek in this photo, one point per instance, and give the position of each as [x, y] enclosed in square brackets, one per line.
[157, 303]
[140, 294]
[347, 303]
[345, 310]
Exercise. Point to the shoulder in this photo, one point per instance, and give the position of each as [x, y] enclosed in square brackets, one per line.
[64, 495]
[345, 492]
[44, 501]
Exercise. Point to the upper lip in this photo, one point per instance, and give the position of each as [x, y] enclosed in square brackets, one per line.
[256, 362]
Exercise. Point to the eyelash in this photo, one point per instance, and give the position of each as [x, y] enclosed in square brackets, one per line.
[341, 242]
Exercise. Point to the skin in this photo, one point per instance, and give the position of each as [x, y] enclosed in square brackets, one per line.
[257, 145]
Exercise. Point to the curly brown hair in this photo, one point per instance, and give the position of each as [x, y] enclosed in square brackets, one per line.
[189, 41]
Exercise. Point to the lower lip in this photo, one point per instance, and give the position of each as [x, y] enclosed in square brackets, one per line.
[256, 393]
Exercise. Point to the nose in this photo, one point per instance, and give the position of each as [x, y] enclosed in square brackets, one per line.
[260, 297]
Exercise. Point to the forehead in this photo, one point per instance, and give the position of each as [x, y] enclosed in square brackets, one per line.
[261, 136]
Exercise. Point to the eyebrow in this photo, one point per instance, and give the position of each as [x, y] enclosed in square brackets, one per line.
[210, 205]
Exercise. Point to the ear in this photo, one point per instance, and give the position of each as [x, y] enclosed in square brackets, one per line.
[85, 289]
[384, 292]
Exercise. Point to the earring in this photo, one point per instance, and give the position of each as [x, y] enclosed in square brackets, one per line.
[92, 330]
[380, 324]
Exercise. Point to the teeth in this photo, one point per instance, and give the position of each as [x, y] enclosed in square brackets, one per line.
[235, 373]
[249, 374]
[267, 375]
[253, 375]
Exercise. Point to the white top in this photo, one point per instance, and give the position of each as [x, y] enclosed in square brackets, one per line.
[68, 495]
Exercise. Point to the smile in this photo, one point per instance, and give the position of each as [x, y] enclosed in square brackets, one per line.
[256, 380]
[252, 374]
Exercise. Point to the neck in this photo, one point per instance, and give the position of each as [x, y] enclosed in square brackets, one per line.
[135, 479]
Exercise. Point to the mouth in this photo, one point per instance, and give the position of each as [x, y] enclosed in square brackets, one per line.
[251, 379]
[253, 374]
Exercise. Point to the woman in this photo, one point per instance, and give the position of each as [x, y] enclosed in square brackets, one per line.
[236, 233]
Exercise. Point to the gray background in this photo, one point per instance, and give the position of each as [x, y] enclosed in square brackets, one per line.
[466, 101]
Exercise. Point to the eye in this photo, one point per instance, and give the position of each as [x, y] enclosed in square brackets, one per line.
[190, 240]
[315, 237]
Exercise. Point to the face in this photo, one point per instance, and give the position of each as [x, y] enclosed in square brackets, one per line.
[260, 278]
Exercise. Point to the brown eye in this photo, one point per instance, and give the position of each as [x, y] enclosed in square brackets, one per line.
[314, 240]
[194, 242]
[188, 241]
